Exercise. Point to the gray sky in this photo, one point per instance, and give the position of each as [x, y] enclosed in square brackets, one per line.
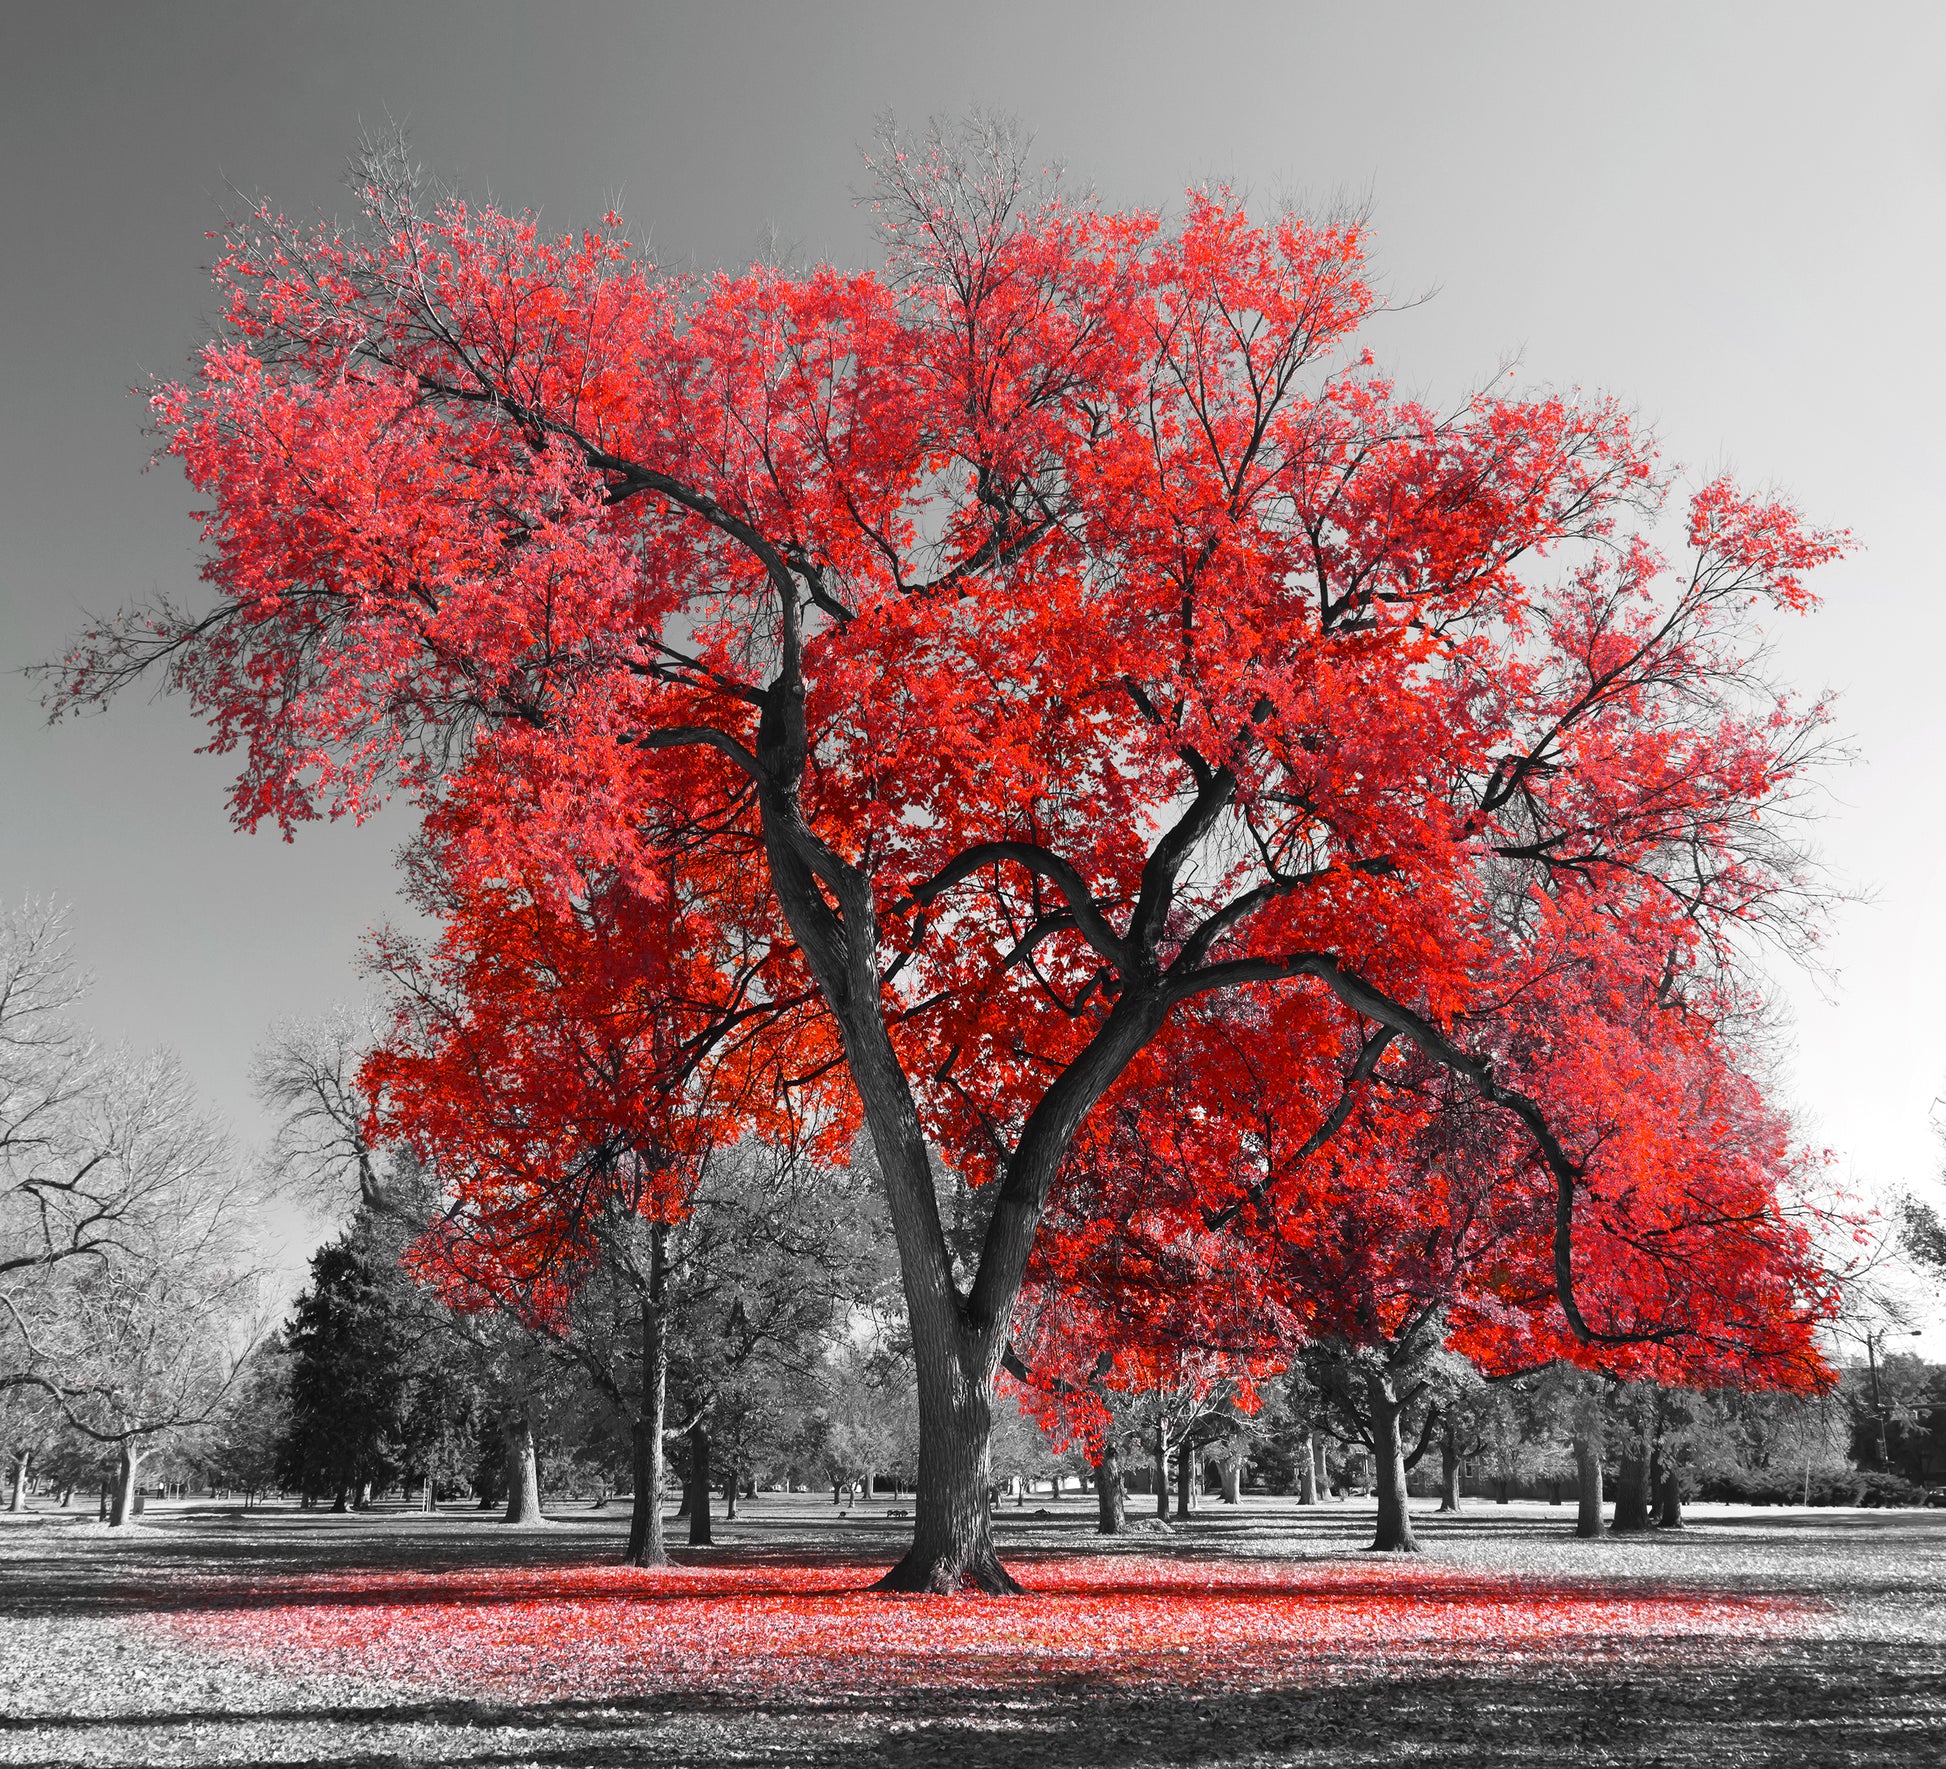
[1730, 215]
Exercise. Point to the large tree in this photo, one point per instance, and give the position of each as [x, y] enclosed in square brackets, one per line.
[1070, 617]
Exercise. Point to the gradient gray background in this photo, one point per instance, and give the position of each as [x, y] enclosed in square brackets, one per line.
[1729, 215]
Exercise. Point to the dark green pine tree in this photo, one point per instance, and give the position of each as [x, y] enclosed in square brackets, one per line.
[350, 1378]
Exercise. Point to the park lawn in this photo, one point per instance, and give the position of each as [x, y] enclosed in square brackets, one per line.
[1259, 1634]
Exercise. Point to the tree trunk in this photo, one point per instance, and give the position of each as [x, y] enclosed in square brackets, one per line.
[952, 1535]
[1233, 1483]
[1632, 1495]
[1323, 1467]
[523, 1471]
[1394, 1535]
[645, 1543]
[1669, 1508]
[699, 1536]
[1587, 1470]
[1449, 1466]
[122, 1506]
[1186, 1460]
[1109, 1499]
[730, 1489]
[23, 1460]
[1159, 1453]
[1307, 1469]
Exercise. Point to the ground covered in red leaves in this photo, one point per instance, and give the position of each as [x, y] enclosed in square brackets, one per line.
[799, 1624]
[1260, 1636]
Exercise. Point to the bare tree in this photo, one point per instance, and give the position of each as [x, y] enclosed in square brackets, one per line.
[123, 1273]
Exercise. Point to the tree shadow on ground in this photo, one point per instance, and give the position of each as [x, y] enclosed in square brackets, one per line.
[1815, 1708]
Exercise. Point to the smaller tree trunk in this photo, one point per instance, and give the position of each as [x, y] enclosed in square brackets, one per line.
[1587, 1470]
[122, 1506]
[645, 1543]
[1632, 1495]
[1233, 1483]
[730, 1486]
[23, 1460]
[1449, 1466]
[1394, 1534]
[1110, 1502]
[1323, 1475]
[1159, 1454]
[1669, 1497]
[699, 1536]
[1307, 1470]
[523, 1471]
[1186, 1460]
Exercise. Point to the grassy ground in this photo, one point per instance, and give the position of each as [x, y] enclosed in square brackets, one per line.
[1256, 1634]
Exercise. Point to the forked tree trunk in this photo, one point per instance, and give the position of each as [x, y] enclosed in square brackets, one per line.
[523, 1471]
[1669, 1499]
[645, 1544]
[23, 1461]
[1307, 1469]
[1587, 1470]
[1233, 1483]
[1632, 1495]
[1109, 1500]
[952, 1535]
[1449, 1466]
[1159, 1456]
[122, 1506]
[699, 1536]
[1394, 1534]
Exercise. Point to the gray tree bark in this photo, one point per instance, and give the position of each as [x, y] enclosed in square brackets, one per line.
[1449, 1466]
[121, 1506]
[1669, 1499]
[699, 1447]
[1394, 1534]
[1110, 1500]
[646, 1546]
[1587, 1470]
[1632, 1495]
[523, 1471]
